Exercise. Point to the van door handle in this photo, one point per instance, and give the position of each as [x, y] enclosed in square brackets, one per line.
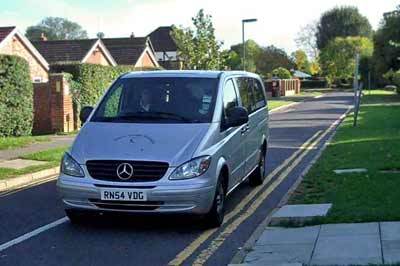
[244, 129]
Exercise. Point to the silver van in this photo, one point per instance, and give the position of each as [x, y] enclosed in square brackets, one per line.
[167, 142]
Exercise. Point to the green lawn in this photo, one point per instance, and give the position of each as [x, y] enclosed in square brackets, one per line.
[52, 158]
[17, 142]
[375, 145]
[275, 103]
[379, 96]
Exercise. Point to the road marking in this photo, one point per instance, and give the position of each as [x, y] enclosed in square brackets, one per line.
[189, 250]
[32, 233]
[219, 240]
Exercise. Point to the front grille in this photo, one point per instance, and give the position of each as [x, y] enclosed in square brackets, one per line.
[127, 205]
[142, 171]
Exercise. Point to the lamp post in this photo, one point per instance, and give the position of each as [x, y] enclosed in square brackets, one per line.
[244, 46]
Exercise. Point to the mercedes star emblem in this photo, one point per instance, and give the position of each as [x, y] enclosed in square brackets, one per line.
[124, 171]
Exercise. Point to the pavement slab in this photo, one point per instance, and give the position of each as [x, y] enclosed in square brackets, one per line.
[390, 235]
[284, 245]
[19, 163]
[350, 171]
[348, 244]
[55, 142]
[299, 213]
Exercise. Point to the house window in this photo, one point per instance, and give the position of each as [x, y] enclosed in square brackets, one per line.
[37, 80]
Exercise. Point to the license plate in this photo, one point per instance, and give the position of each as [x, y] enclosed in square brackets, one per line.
[123, 194]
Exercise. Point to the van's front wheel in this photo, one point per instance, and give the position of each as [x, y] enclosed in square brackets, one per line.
[215, 217]
[258, 176]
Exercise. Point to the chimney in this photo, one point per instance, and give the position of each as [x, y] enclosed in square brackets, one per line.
[43, 37]
[132, 35]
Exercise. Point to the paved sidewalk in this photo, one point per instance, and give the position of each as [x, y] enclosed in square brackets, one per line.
[331, 244]
[56, 141]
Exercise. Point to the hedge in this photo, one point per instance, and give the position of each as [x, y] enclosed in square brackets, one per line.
[90, 81]
[314, 84]
[16, 97]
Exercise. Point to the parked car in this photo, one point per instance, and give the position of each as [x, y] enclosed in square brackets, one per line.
[167, 141]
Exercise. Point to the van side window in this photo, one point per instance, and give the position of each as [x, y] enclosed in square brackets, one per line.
[246, 93]
[230, 98]
[258, 94]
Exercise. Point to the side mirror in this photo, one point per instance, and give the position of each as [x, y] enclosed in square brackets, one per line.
[85, 113]
[237, 116]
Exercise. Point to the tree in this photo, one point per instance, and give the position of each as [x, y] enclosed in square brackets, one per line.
[307, 41]
[281, 73]
[341, 22]
[271, 58]
[387, 51]
[315, 67]
[100, 35]
[56, 28]
[338, 57]
[300, 59]
[199, 48]
[233, 60]
[253, 51]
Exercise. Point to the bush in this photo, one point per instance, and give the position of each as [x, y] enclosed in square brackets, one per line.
[281, 73]
[90, 81]
[396, 80]
[314, 84]
[16, 97]
[393, 77]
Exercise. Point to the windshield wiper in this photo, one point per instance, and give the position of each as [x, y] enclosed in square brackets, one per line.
[153, 115]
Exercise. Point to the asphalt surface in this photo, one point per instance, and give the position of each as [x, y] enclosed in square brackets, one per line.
[163, 240]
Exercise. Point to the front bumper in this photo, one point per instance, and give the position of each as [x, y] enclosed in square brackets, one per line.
[162, 197]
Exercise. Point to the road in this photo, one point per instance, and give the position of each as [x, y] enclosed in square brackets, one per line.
[297, 134]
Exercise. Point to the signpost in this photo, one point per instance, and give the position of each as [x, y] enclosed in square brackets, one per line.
[357, 91]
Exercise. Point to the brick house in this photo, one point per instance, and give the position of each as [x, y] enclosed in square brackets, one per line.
[136, 51]
[13, 42]
[165, 48]
[90, 51]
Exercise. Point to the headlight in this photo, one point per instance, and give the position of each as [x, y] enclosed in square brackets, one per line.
[193, 168]
[70, 167]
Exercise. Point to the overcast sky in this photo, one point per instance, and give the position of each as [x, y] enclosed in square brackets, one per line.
[278, 21]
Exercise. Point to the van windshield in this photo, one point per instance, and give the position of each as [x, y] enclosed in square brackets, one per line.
[159, 100]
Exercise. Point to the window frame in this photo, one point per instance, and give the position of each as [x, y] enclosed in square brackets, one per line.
[238, 101]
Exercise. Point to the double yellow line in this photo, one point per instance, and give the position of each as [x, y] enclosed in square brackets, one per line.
[206, 253]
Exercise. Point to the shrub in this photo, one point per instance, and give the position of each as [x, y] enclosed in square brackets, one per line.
[314, 84]
[396, 80]
[16, 97]
[393, 77]
[281, 73]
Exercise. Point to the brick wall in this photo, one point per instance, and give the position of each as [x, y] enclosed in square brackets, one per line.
[98, 57]
[53, 111]
[286, 87]
[14, 46]
[146, 61]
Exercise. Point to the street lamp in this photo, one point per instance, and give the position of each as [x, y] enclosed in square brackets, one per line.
[244, 46]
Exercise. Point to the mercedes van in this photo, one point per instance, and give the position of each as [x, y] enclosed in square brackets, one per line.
[167, 142]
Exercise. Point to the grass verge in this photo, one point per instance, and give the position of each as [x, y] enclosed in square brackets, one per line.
[282, 101]
[18, 142]
[52, 158]
[380, 96]
[375, 145]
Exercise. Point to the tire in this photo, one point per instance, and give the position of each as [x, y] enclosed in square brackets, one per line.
[77, 216]
[258, 176]
[215, 217]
